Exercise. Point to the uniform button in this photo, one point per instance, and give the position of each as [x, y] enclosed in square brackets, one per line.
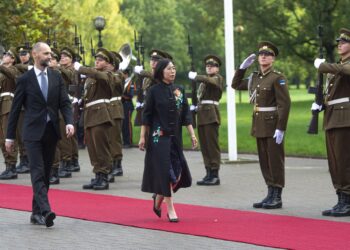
[261, 77]
[331, 84]
[257, 94]
[258, 86]
[256, 113]
[341, 107]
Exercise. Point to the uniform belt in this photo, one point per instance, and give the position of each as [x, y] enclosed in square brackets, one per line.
[7, 94]
[336, 101]
[97, 102]
[209, 102]
[117, 98]
[264, 109]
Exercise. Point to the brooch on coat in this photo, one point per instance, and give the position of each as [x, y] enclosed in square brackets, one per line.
[156, 135]
[178, 98]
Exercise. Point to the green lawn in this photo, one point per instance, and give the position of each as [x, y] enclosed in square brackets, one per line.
[297, 141]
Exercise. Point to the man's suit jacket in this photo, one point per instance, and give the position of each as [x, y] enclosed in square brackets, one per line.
[28, 94]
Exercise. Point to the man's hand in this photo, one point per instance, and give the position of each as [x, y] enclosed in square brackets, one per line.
[138, 69]
[248, 61]
[318, 62]
[10, 146]
[192, 75]
[279, 136]
[69, 130]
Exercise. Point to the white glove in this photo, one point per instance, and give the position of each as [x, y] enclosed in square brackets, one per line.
[80, 102]
[248, 61]
[138, 69]
[30, 67]
[318, 62]
[192, 75]
[279, 136]
[77, 65]
[193, 108]
[139, 105]
[75, 100]
[315, 106]
[82, 76]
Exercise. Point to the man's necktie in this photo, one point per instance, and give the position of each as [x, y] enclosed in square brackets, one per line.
[44, 85]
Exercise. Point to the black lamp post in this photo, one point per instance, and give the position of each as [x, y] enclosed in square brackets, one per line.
[239, 29]
[100, 24]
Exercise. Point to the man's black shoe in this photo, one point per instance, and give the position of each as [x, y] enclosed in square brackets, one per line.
[101, 182]
[276, 199]
[92, 183]
[75, 166]
[268, 196]
[49, 217]
[37, 219]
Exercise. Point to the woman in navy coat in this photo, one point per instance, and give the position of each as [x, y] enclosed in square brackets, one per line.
[166, 111]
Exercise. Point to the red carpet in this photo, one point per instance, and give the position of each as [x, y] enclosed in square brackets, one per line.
[225, 224]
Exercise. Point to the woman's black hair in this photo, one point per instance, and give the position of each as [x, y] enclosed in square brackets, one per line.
[158, 71]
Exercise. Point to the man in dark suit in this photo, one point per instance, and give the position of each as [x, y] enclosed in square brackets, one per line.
[42, 93]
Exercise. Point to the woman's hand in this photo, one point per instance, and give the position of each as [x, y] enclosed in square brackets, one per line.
[194, 142]
[142, 144]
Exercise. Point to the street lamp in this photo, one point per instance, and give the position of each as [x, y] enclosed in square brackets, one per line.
[100, 24]
[239, 29]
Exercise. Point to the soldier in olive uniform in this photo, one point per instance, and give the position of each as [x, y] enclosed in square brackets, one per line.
[337, 122]
[208, 118]
[128, 106]
[97, 118]
[8, 74]
[117, 112]
[268, 91]
[25, 62]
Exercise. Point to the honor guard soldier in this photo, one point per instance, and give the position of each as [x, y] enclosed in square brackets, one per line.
[268, 91]
[97, 118]
[208, 118]
[336, 122]
[128, 106]
[8, 74]
[24, 65]
[117, 112]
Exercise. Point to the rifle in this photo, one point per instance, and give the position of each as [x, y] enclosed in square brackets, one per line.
[48, 41]
[77, 78]
[193, 84]
[139, 80]
[92, 48]
[54, 43]
[26, 42]
[313, 126]
[82, 50]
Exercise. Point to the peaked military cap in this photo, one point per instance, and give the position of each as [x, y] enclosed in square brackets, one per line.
[22, 50]
[344, 35]
[268, 47]
[212, 60]
[157, 54]
[105, 55]
[12, 52]
[68, 52]
[55, 54]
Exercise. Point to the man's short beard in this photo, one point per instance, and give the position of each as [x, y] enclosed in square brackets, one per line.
[44, 63]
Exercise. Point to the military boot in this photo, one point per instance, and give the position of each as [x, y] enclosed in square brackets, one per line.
[111, 178]
[9, 173]
[92, 183]
[22, 167]
[328, 212]
[54, 179]
[102, 182]
[117, 169]
[63, 171]
[75, 166]
[276, 199]
[268, 196]
[344, 206]
[204, 178]
[213, 178]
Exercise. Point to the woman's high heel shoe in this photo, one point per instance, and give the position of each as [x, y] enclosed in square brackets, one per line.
[172, 219]
[157, 211]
